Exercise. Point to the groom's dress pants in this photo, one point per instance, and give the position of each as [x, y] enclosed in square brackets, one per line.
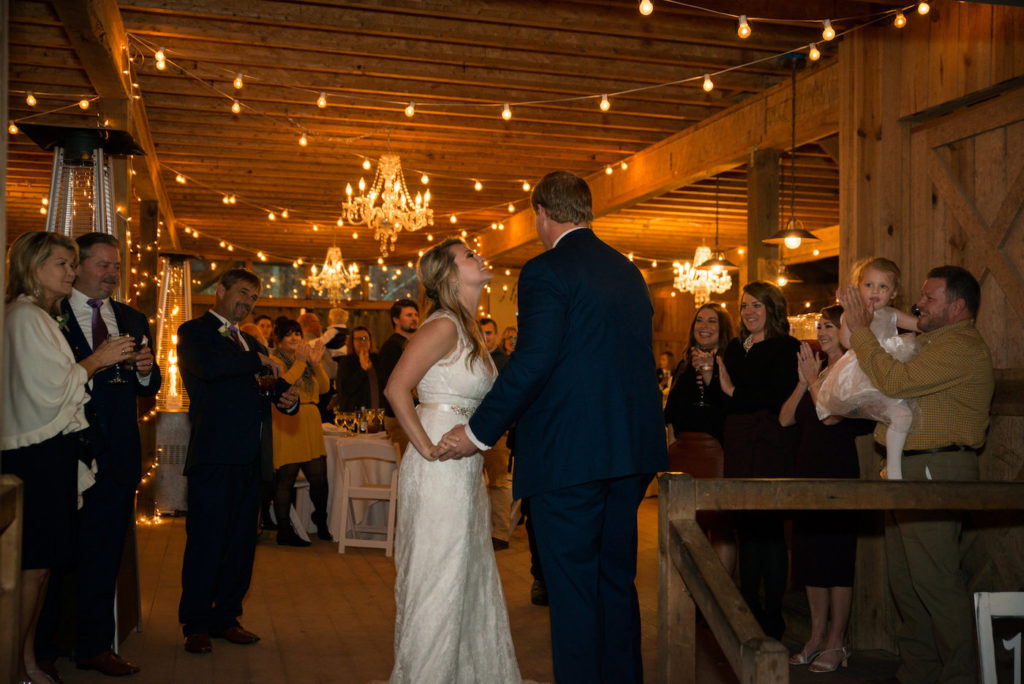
[587, 538]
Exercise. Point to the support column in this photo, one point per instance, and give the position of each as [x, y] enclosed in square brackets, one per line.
[762, 215]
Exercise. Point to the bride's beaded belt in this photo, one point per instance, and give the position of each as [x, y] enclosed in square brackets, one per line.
[466, 411]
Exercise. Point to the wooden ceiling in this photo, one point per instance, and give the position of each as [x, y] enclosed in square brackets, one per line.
[459, 62]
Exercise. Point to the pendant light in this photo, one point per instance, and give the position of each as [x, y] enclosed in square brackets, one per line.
[717, 262]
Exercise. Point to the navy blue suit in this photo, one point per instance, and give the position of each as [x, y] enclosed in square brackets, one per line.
[229, 418]
[108, 506]
[589, 436]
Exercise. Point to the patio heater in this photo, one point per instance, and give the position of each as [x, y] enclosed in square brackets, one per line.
[174, 307]
[81, 181]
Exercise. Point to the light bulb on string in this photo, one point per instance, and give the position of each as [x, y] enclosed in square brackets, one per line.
[453, 218]
[235, 107]
[225, 200]
[623, 165]
[708, 84]
[321, 101]
[506, 112]
[30, 99]
[827, 32]
[900, 21]
[743, 27]
[238, 82]
[646, 7]
[608, 170]
[284, 214]
[303, 140]
[478, 186]
[605, 103]
[366, 163]
[180, 179]
[923, 8]
[813, 53]
[271, 216]
[511, 208]
[159, 55]
[425, 179]
[231, 199]
[410, 109]
[83, 103]
[12, 128]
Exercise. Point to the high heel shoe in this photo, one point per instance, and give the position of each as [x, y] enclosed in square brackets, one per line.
[821, 668]
[803, 657]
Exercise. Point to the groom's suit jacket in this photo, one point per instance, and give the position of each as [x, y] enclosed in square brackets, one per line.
[581, 382]
[112, 411]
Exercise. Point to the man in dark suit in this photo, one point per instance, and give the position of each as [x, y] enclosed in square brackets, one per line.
[108, 507]
[230, 422]
[590, 433]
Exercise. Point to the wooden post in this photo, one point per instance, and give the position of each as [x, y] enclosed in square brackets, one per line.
[762, 213]
[677, 618]
[11, 494]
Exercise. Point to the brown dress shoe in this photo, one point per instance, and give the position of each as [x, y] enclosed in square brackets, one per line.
[108, 663]
[236, 635]
[198, 643]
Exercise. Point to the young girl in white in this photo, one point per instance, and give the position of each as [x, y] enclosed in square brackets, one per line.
[847, 390]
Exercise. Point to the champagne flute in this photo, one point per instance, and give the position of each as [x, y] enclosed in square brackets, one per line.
[127, 363]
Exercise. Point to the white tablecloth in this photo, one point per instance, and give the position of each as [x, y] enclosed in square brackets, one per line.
[370, 468]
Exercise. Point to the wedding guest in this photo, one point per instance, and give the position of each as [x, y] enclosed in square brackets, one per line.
[759, 372]
[405, 317]
[44, 397]
[497, 459]
[360, 379]
[266, 326]
[299, 438]
[509, 337]
[696, 410]
[665, 364]
[313, 330]
[255, 331]
[226, 456]
[824, 542]
[108, 507]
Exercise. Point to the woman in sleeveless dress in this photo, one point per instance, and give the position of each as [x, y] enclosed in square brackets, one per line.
[451, 622]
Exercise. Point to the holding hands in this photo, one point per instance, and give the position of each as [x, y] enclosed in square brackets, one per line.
[454, 444]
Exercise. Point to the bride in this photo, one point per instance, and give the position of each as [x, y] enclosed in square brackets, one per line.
[451, 623]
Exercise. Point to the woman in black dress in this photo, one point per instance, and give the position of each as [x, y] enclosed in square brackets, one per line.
[759, 373]
[824, 543]
[360, 382]
[695, 409]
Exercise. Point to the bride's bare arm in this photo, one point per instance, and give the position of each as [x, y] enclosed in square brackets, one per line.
[433, 341]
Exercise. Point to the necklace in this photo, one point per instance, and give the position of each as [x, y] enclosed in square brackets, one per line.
[748, 343]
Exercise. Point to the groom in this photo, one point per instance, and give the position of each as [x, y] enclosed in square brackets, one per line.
[589, 435]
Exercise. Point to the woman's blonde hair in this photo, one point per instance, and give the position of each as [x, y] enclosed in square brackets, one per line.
[436, 271]
[25, 257]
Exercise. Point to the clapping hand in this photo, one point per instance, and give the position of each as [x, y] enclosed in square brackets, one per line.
[808, 364]
[856, 313]
[315, 351]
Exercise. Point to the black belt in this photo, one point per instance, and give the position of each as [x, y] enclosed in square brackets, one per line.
[939, 450]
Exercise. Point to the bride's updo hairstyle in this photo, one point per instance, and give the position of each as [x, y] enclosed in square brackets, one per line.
[439, 277]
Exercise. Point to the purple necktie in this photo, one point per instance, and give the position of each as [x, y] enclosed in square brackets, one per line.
[99, 326]
[233, 329]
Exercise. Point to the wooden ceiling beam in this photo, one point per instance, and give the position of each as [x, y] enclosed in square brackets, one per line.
[723, 141]
[97, 34]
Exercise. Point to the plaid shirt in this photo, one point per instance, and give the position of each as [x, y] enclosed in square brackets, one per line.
[951, 378]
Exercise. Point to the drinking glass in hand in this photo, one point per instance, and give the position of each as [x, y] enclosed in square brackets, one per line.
[704, 361]
[267, 382]
[126, 363]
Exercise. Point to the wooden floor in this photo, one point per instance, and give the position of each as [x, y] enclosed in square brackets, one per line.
[325, 617]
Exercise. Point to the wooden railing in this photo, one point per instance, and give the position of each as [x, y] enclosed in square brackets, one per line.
[10, 574]
[690, 576]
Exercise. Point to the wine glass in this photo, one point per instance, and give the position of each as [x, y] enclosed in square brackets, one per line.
[127, 363]
[704, 362]
[267, 382]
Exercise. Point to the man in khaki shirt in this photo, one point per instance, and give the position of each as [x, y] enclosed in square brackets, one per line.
[951, 378]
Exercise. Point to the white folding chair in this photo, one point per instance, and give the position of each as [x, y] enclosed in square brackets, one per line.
[353, 488]
[988, 605]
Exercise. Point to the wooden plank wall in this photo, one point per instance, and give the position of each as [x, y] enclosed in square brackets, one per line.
[932, 141]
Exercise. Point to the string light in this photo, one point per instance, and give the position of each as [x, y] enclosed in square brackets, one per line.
[180, 179]
[708, 85]
[303, 140]
[366, 163]
[923, 8]
[900, 21]
[813, 53]
[743, 28]
[83, 103]
[623, 165]
[506, 112]
[321, 101]
[425, 179]
[478, 186]
[272, 216]
[238, 83]
[235, 107]
[410, 109]
[30, 99]
[608, 170]
[284, 214]
[827, 32]
[511, 208]
[12, 128]
[526, 186]
[646, 7]
[159, 55]
[605, 103]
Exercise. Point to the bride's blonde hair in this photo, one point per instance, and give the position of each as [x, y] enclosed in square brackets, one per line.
[437, 274]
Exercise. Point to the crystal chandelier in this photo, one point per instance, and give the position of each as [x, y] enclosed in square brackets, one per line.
[334, 279]
[689, 277]
[387, 208]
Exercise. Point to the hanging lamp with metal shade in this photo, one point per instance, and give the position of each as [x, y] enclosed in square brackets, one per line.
[717, 262]
[794, 233]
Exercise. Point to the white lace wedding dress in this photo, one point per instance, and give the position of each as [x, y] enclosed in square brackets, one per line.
[451, 623]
